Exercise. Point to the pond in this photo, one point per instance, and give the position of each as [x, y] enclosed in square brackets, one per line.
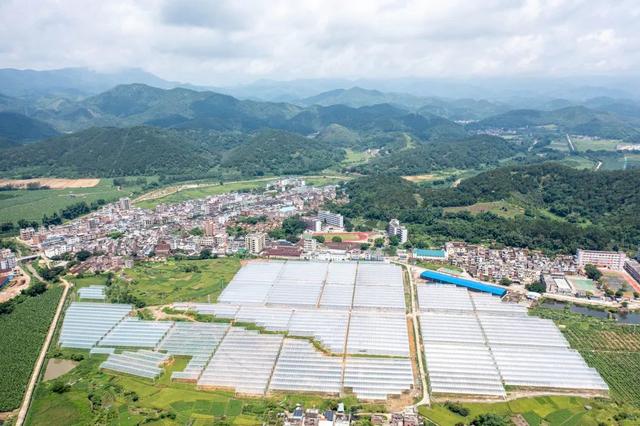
[623, 318]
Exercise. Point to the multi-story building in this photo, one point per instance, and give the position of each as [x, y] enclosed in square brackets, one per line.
[125, 203]
[608, 259]
[254, 243]
[209, 228]
[331, 219]
[26, 234]
[633, 268]
[395, 229]
[8, 260]
[309, 243]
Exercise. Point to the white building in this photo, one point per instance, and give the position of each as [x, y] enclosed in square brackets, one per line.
[394, 229]
[608, 259]
[254, 243]
[26, 234]
[331, 219]
[7, 260]
[310, 243]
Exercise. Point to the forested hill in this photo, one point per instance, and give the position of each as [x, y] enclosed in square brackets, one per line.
[19, 128]
[464, 153]
[575, 120]
[113, 152]
[564, 209]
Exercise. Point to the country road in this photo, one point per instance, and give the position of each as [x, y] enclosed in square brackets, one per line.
[24, 408]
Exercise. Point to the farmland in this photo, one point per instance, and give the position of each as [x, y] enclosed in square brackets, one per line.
[95, 397]
[499, 208]
[551, 410]
[179, 280]
[32, 205]
[23, 332]
[584, 143]
[613, 349]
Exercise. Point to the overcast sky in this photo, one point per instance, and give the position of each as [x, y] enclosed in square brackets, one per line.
[217, 42]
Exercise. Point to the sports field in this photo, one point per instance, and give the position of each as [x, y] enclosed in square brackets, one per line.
[345, 236]
[158, 283]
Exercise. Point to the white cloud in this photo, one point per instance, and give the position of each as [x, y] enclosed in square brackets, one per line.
[225, 41]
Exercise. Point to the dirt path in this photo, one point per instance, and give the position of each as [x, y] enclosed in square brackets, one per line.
[22, 414]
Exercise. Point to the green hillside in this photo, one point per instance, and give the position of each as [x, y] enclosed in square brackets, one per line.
[20, 128]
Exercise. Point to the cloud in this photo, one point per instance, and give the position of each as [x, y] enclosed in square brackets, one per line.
[224, 42]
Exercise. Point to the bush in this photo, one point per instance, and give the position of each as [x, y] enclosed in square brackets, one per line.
[60, 387]
[457, 408]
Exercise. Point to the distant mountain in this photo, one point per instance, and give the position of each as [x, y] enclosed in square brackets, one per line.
[108, 152]
[578, 120]
[358, 97]
[19, 128]
[72, 82]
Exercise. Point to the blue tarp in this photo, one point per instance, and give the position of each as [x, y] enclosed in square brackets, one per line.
[6, 281]
[463, 282]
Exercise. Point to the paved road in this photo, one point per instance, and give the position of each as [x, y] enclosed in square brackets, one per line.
[24, 408]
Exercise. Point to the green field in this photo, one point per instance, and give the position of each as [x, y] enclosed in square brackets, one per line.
[97, 397]
[612, 348]
[32, 205]
[499, 208]
[23, 332]
[165, 282]
[583, 143]
[356, 157]
[551, 410]
[560, 144]
[578, 162]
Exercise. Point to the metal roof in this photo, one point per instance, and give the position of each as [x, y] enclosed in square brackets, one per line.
[463, 282]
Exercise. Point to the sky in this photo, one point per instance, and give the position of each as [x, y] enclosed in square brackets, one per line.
[222, 42]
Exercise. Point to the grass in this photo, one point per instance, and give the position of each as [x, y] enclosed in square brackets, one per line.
[166, 282]
[356, 157]
[583, 143]
[551, 410]
[32, 205]
[346, 236]
[126, 400]
[578, 162]
[433, 265]
[612, 348]
[499, 208]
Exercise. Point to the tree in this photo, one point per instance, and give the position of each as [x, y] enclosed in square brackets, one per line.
[319, 238]
[506, 281]
[592, 272]
[196, 231]
[538, 287]
[205, 254]
[365, 246]
[336, 239]
[83, 255]
[490, 420]
[394, 240]
[379, 242]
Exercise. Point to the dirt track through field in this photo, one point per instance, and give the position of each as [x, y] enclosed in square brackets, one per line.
[53, 183]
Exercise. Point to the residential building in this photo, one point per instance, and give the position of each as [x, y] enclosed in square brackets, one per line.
[210, 228]
[26, 234]
[394, 229]
[331, 219]
[430, 254]
[254, 243]
[557, 284]
[124, 203]
[8, 260]
[608, 259]
[309, 243]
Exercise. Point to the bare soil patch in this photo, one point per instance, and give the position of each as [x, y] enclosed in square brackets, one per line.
[53, 183]
[58, 367]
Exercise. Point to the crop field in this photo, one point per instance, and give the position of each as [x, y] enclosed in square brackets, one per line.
[179, 281]
[551, 410]
[23, 332]
[95, 397]
[579, 162]
[53, 183]
[559, 144]
[32, 205]
[583, 143]
[499, 208]
[612, 348]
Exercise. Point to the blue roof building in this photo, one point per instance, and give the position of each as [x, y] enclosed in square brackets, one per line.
[429, 254]
[439, 277]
